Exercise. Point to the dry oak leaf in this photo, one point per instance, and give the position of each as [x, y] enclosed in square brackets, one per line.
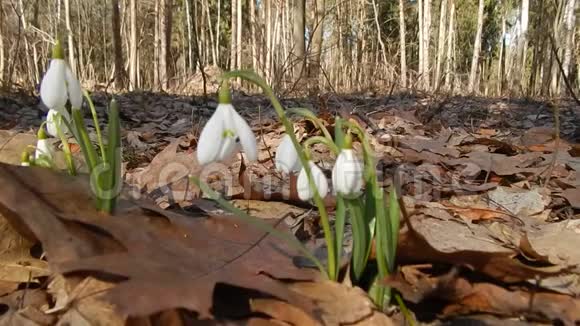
[434, 235]
[337, 304]
[23, 308]
[160, 259]
[464, 297]
[16, 263]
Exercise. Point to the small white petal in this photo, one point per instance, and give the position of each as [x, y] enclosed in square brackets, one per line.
[44, 148]
[287, 160]
[52, 88]
[25, 164]
[75, 93]
[210, 142]
[245, 135]
[303, 187]
[52, 122]
[347, 174]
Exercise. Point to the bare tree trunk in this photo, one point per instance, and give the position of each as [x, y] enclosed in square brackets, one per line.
[440, 44]
[2, 51]
[520, 64]
[71, 54]
[253, 40]
[267, 53]
[316, 47]
[218, 31]
[426, 42]
[233, 34]
[165, 23]
[501, 63]
[133, 82]
[476, 48]
[156, 49]
[298, 35]
[403, 44]
[449, 58]
[119, 72]
[379, 35]
[420, 69]
[239, 35]
[188, 17]
[569, 24]
[211, 37]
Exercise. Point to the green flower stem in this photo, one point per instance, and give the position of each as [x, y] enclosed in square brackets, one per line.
[319, 140]
[383, 230]
[97, 127]
[258, 223]
[339, 223]
[309, 115]
[65, 146]
[89, 152]
[328, 236]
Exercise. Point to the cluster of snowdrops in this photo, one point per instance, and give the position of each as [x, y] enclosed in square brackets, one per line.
[360, 199]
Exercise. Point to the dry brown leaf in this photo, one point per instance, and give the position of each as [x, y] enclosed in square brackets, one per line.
[23, 308]
[167, 260]
[438, 237]
[16, 263]
[87, 307]
[464, 297]
[500, 164]
[166, 177]
[337, 304]
[420, 144]
[572, 195]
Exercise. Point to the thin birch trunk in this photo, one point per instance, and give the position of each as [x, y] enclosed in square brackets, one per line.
[476, 49]
[449, 57]
[440, 44]
[403, 44]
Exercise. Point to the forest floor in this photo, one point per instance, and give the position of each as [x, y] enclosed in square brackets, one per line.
[490, 235]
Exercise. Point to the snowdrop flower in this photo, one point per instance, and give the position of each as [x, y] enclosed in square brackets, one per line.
[53, 123]
[303, 187]
[224, 133]
[347, 174]
[287, 160]
[44, 149]
[59, 85]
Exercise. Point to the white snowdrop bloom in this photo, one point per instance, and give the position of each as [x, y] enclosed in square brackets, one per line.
[44, 149]
[222, 136]
[303, 187]
[287, 160]
[59, 84]
[52, 122]
[347, 174]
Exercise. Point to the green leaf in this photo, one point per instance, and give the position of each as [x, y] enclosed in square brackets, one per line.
[339, 222]
[112, 178]
[360, 236]
[394, 221]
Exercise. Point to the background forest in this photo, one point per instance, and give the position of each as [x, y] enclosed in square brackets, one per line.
[487, 47]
